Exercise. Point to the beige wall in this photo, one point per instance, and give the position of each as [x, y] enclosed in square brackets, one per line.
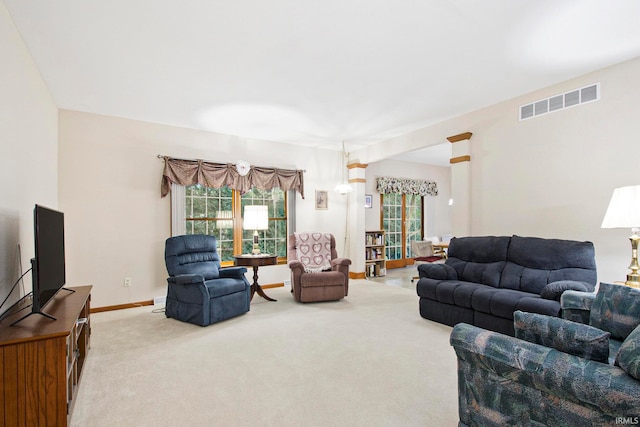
[28, 153]
[553, 175]
[110, 193]
[437, 210]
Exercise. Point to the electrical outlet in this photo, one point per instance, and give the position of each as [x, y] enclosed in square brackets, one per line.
[127, 282]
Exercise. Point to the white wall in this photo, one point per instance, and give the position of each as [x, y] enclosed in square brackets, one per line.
[553, 175]
[116, 221]
[28, 154]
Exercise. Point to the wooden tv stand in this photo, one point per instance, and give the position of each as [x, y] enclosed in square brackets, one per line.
[41, 360]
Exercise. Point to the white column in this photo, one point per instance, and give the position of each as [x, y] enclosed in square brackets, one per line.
[461, 184]
[355, 219]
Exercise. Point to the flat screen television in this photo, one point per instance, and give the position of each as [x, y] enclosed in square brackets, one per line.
[48, 267]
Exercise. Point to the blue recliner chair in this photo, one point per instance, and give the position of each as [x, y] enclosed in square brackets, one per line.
[198, 290]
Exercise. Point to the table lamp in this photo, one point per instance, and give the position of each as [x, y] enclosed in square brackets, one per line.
[256, 217]
[624, 212]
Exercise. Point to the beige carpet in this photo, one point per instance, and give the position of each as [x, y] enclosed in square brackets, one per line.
[368, 360]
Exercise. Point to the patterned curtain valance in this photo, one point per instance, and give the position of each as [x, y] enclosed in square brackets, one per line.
[218, 175]
[407, 186]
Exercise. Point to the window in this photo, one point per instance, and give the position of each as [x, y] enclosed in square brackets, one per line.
[218, 212]
[402, 219]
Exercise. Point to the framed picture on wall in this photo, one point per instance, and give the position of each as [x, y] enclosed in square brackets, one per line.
[322, 199]
[368, 201]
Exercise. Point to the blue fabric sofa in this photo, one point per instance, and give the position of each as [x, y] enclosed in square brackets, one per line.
[198, 290]
[485, 279]
[554, 372]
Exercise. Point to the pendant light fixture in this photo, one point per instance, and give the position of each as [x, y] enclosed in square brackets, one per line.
[343, 187]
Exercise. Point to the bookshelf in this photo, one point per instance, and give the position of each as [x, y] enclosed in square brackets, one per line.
[375, 259]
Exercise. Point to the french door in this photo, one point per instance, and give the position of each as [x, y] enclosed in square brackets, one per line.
[402, 221]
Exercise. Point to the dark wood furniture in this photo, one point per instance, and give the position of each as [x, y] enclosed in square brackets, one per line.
[256, 261]
[41, 361]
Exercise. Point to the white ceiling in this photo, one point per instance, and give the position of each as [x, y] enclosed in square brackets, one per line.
[315, 73]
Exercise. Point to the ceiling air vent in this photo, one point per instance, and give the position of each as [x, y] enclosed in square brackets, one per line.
[560, 102]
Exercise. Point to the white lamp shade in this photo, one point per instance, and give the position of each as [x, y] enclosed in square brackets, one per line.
[343, 188]
[256, 217]
[624, 208]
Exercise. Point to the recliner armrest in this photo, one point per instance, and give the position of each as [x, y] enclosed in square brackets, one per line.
[295, 265]
[338, 262]
[233, 272]
[437, 271]
[186, 279]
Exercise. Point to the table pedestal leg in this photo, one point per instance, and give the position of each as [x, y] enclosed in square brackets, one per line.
[257, 288]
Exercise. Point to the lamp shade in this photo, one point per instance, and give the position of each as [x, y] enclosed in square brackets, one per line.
[624, 208]
[256, 217]
[343, 188]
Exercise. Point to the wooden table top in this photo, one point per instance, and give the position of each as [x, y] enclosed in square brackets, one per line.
[255, 260]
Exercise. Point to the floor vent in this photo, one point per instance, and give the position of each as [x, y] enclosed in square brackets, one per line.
[562, 101]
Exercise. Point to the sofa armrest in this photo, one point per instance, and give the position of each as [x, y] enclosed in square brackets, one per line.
[499, 371]
[186, 279]
[576, 305]
[554, 290]
[437, 271]
[233, 272]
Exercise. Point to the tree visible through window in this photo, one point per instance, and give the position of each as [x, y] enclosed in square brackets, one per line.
[218, 212]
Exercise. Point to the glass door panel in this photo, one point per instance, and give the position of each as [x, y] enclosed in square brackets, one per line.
[413, 221]
[402, 222]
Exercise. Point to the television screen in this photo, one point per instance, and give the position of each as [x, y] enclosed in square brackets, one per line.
[49, 266]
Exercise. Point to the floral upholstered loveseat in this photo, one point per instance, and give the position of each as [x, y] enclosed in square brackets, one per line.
[554, 372]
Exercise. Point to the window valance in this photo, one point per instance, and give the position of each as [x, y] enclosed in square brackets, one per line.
[420, 187]
[218, 175]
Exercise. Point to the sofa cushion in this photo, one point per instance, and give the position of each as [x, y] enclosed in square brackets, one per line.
[327, 278]
[453, 292]
[628, 357]
[503, 302]
[554, 290]
[616, 309]
[478, 259]
[563, 335]
[220, 287]
[536, 304]
[533, 262]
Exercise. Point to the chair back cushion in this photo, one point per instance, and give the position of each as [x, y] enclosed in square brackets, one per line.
[478, 259]
[533, 262]
[616, 309]
[192, 254]
[314, 250]
[564, 335]
[421, 248]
